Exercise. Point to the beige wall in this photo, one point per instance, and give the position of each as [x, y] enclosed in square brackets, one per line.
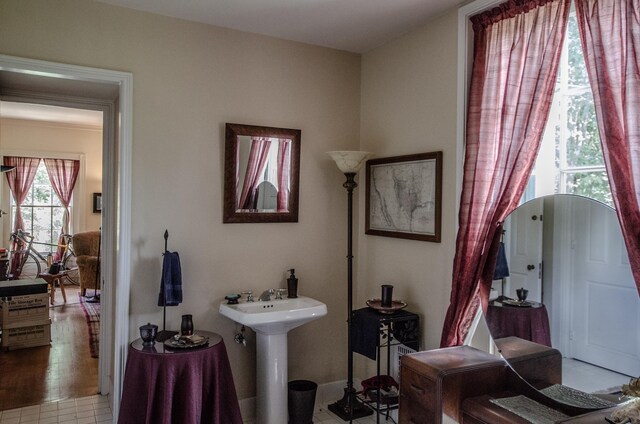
[39, 138]
[409, 106]
[189, 79]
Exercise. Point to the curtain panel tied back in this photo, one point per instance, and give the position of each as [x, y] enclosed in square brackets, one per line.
[19, 180]
[516, 55]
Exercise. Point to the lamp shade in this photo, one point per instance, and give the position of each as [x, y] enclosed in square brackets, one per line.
[349, 161]
[6, 168]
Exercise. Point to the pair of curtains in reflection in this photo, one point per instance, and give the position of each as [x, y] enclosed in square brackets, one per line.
[516, 54]
[63, 174]
[258, 156]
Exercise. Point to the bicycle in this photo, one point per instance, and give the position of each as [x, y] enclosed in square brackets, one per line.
[31, 263]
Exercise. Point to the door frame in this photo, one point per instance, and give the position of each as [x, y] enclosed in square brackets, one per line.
[116, 269]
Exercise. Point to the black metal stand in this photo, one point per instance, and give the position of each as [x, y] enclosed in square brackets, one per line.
[96, 297]
[350, 407]
[165, 334]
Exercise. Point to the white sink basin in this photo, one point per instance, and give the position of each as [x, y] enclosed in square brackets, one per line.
[272, 321]
[275, 316]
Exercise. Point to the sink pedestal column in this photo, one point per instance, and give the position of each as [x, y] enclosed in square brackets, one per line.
[271, 378]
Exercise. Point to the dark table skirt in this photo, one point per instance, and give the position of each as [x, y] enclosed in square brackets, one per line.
[191, 386]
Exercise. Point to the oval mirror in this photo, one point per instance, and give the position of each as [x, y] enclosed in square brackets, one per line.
[582, 310]
[261, 174]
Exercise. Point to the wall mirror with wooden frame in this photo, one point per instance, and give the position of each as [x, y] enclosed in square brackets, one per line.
[261, 174]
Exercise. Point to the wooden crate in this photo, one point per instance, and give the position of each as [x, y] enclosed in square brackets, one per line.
[24, 309]
[32, 335]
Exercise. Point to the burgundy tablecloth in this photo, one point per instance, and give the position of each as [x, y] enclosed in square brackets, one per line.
[526, 323]
[185, 387]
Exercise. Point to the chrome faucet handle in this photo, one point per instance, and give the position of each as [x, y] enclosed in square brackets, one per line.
[249, 294]
[279, 293]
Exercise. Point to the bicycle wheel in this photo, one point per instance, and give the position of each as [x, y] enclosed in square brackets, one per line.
[69, 265]
[31, 268]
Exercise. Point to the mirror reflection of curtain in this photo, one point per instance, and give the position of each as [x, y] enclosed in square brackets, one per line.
[257, 160]
[63, 174]
[284, 171]
[516, 56]
[615, 82]
[20, 180]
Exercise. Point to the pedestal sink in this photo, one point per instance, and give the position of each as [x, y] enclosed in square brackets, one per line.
[272, 320]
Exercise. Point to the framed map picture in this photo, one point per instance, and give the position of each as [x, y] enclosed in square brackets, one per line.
[404, 197]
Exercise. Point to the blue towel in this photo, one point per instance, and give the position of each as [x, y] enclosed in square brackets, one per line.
[171, 282]
[502, 267]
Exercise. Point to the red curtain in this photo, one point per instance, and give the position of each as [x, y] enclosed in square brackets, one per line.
[610, 36]
[257, 159]
[62, 175]
[516, 54]
[284, 171]
[20, 180]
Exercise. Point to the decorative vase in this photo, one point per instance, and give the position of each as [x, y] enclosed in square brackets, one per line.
[387, 295]
[522, 294]
[148, 334]
[186, 327]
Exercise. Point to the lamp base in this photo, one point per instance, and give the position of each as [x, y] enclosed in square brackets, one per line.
[357, 410]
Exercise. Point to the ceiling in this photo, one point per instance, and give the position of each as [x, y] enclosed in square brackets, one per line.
[16, 85]
[63, 115]
[352, 25]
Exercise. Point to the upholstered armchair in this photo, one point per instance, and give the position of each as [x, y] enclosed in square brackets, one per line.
[87, 246]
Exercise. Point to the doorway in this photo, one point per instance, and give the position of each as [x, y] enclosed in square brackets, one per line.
[68, 368]
[58, 84]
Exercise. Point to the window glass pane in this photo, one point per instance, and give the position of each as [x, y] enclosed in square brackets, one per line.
[41, 218]
[590, 184]
[583, 141]
[577, 67]
[41, 195]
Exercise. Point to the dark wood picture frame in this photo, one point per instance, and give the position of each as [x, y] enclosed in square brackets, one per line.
[97, 202]
[408, 191]
[231, 214]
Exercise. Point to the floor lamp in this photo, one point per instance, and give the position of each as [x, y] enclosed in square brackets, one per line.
[349, 407]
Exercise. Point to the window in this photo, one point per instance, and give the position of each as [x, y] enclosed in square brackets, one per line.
[42, 211]
[570, 159]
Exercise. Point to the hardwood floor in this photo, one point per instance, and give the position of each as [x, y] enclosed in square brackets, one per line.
[64, 370]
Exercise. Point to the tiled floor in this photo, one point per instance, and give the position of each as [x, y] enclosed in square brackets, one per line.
[589, 378]
[324, 416]
[87, 410]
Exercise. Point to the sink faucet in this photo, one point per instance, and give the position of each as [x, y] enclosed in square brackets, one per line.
[266, 295]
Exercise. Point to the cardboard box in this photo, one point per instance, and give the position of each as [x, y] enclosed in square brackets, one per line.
[21, 309]
[32, 335]
[22, 287]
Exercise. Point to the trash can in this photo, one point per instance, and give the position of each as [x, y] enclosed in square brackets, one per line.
[302, 398]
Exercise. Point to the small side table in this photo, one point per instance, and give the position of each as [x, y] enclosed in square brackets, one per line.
[165, 386]
[526, 323]
[373, 331]
[51, 280]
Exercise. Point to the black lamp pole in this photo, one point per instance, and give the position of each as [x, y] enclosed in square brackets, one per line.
[350, 407]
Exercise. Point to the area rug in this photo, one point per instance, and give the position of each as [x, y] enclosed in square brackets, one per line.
[92, 314]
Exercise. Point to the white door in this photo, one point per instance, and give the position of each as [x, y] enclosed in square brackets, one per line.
[523, 242]
[604, 301]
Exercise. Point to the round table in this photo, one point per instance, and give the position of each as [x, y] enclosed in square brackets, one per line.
[528, 323]
[165, 385]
